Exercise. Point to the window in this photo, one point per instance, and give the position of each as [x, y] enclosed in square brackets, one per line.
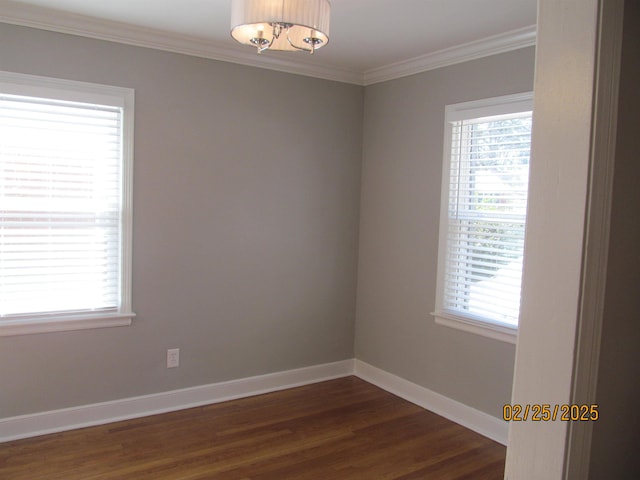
[483, 215]
[65, 204]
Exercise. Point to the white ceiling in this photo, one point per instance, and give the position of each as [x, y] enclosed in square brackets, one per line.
[366, 35]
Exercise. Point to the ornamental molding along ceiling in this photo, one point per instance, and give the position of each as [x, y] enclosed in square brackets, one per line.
[36, 17]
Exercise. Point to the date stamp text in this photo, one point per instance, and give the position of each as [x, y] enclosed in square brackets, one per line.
[550, 413]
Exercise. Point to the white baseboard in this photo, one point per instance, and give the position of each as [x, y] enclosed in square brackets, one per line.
[24, 426]
[480, 422]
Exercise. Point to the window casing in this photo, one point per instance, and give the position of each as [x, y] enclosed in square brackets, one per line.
[66, 169]
[483, 215]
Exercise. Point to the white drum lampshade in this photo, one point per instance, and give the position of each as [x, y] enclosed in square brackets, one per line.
[290, 25]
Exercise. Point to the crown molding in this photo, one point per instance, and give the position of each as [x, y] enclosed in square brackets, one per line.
[505, 42]
[63, 22]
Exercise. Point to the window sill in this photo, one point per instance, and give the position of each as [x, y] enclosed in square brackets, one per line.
[63, 323]
[496, 331]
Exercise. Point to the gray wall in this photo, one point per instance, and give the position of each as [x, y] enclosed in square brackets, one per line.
[246, 223]
[246, 200]
[616, 435]
[399, 219]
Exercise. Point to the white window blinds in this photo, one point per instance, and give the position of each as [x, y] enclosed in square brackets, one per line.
[488, 172]
[62, 241]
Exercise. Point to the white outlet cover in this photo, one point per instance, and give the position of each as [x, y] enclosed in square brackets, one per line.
[173, 357]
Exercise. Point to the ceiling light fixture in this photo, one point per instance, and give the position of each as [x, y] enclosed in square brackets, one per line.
[291, 25]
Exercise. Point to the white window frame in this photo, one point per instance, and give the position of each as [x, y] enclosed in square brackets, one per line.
[453, 113]
[74, 91]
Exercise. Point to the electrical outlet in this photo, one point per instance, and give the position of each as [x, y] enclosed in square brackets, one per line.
[173, 357]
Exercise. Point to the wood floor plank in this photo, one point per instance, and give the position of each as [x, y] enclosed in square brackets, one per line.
[344, 429]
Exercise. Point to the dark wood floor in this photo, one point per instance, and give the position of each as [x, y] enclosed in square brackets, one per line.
[340, 429]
